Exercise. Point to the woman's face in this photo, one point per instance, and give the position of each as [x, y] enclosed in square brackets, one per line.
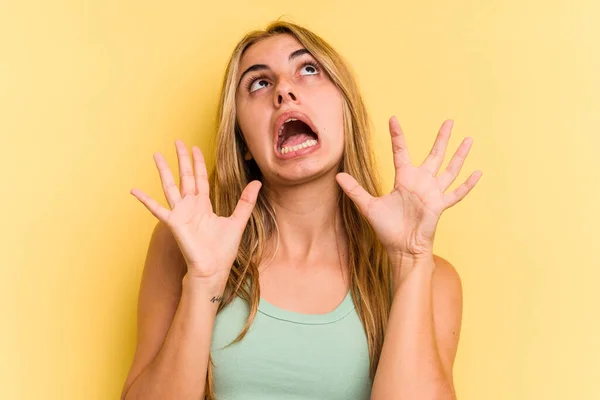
[280, 81]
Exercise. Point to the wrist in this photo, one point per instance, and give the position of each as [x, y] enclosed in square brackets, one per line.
[404, 265]
[407, 259]
[208, 286]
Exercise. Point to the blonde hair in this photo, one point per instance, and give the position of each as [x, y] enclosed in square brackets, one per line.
[369, 267]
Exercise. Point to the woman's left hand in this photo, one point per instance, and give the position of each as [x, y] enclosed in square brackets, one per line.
[405, 220]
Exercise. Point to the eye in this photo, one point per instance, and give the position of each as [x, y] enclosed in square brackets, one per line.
[256, 84]
[311, 67]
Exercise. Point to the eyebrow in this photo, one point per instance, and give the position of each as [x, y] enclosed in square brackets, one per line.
[261, 67]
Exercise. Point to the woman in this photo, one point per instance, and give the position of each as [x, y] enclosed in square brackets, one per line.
[287, 269]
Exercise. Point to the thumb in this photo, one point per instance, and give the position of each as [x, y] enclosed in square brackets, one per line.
[357, 194]
[245, 205]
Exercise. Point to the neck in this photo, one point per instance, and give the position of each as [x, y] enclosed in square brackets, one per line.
[309, 221]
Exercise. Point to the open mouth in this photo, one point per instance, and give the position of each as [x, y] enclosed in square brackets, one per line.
[294, 135]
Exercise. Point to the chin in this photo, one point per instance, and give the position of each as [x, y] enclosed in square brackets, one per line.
[304, 172]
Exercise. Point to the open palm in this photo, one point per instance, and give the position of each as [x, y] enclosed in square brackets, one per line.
[405, 220]
[208, 242]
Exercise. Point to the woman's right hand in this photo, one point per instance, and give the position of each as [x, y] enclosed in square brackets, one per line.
[209, 243]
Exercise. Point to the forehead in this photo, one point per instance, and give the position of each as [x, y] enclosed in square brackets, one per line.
[270, 51]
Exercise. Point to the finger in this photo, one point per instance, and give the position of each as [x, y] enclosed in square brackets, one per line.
[434, 160]
[169, 187]
[446, 178]
[399, 148]
[357, 193]
[202, 186]
[245, 205]
[152, 205]
[187, 184]
[460, 192]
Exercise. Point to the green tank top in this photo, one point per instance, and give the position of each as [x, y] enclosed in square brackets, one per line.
[287, 355]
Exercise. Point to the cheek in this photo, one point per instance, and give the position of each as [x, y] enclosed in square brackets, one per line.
[246, 114]
[331, 110]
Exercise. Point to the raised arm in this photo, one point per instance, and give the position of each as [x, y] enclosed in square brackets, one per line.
[189, 258]
[171, 310]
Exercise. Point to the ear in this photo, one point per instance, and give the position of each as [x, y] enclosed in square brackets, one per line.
[248, 155]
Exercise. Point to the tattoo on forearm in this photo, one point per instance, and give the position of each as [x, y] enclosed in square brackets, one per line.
[216, 299]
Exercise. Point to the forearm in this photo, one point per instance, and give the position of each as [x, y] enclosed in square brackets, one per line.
[179, 369]
[410, 365]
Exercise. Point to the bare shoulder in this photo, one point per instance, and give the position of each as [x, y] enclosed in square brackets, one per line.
[159, 294]
[447, 292]
[164, 260]
[445, 276]
[164, 267]
[447, 311]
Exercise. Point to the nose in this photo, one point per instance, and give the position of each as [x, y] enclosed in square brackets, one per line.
[285, 93]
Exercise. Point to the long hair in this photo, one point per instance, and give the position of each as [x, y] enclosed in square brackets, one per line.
[369, 266]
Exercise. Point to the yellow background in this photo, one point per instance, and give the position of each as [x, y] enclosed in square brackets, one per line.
[90, 89]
